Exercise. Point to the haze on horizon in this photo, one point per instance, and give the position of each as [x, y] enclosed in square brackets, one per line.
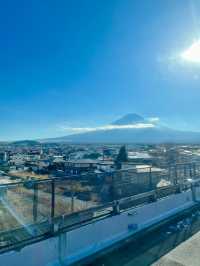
[85, 63]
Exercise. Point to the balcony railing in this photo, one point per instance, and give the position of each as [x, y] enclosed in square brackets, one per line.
[38, 209]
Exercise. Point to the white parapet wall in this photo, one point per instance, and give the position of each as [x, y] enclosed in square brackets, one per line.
[89, 239]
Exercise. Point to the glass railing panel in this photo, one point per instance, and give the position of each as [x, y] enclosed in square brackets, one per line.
[17, 216]
[43, 199]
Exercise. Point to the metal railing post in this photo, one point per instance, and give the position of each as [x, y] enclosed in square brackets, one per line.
[185, 171]
[35, 203]
[116, 207]
[169, 173]
[194, 169]
[176, 175]
[193, 189]
[150, 179]
[52, 204]
[190, 167]
[112, 188]
[72, 201]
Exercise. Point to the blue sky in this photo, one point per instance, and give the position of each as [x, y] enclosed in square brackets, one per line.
[84, 63]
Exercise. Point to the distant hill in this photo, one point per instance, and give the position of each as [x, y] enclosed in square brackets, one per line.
[131, 128]
[26, 143]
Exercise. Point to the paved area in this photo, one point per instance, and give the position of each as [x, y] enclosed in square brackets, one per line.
[186, 254]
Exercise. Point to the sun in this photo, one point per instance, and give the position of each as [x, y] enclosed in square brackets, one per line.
[192, 54]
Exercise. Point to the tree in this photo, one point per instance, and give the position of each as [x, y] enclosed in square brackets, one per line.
[92, 156]
[121, 157]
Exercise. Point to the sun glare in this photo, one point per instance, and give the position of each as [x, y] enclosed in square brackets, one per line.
[192, 54]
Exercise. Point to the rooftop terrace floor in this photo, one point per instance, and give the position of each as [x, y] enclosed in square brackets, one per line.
[185, 254]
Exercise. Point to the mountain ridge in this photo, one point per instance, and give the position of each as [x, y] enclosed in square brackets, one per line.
[128, 119]
[131, 128]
